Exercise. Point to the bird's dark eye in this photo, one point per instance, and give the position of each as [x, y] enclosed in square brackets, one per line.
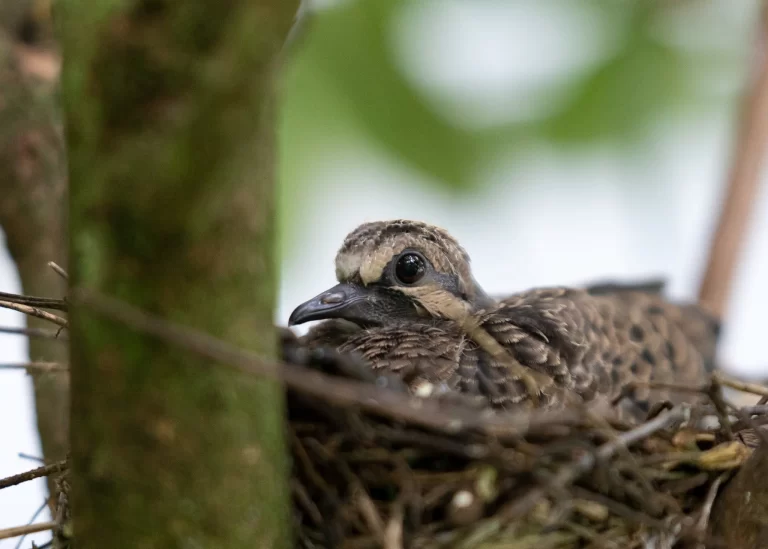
[410, 268]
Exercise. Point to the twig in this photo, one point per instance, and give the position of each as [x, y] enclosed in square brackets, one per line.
[34, 311]
[59, 271]
[747, 419]
[753, 388]
[43, 471]
[618, 508]
[439, 415]
[34, 301]
[715, 394]
[368, 511]
[37, 367]
[32, 458]
[706, 509]
[303, 499]
[570, 473]
[42, 333]
[757, 409]
[34, 517]
[393, 533]
[27, 529]
[743, 180]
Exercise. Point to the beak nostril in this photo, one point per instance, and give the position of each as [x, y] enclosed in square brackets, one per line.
[332, 299]
[341, 301]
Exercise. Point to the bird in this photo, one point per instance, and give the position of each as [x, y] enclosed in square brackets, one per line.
[407, 302]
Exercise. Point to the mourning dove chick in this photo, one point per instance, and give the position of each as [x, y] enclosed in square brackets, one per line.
[407, 302]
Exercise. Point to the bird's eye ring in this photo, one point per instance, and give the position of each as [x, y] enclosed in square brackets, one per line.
[410, 268]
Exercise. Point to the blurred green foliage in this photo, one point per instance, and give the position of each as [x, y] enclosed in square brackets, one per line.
[346, 83]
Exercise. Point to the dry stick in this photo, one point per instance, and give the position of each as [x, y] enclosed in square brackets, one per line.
[59, 271]
[757, 409]
[27, 529]
[37, 367]
[41, 333]
[34, 311]
[368, 511]
[22, 455]
[31, 521]
[706, 509]
[43, 471]
[722, 380]
[393, 533]
[715, 394]
[35, 301]
[571, 472]
[617, 508]
[747, 419]
[753, 388]
[742, 187]
[441, 416]
[307, 505]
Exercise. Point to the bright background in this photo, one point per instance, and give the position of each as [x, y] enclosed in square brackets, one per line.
[561, 141]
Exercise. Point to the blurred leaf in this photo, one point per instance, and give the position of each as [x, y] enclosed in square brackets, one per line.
[349, 47]
[620, 98]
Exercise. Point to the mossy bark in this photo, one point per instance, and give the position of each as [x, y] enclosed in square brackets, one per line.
[169, 129]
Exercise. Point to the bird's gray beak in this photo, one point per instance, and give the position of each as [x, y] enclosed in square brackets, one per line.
[348, 301]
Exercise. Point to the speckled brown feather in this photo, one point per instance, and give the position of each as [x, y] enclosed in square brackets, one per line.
[591, 345]
[597, 344]
[420, 353]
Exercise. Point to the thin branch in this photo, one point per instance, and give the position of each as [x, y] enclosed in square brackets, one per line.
[27, 529]
[43, 471]
[757, 409]
[747, 420]
[59, 271]
[702, 525]
[22, 455]
[618, 508]
[34, 301]
[743, 180]
[715, 394]
[753, 388]
[33, 519]
[37, 367]
[393, 533]
[41, 333]
[34, 311]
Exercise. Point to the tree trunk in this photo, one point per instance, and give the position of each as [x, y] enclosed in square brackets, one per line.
[171, 209]
[32, 179]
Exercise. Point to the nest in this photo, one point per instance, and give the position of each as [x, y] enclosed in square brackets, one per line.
[393, 471]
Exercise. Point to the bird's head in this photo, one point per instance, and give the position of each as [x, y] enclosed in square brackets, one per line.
[391, 271]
